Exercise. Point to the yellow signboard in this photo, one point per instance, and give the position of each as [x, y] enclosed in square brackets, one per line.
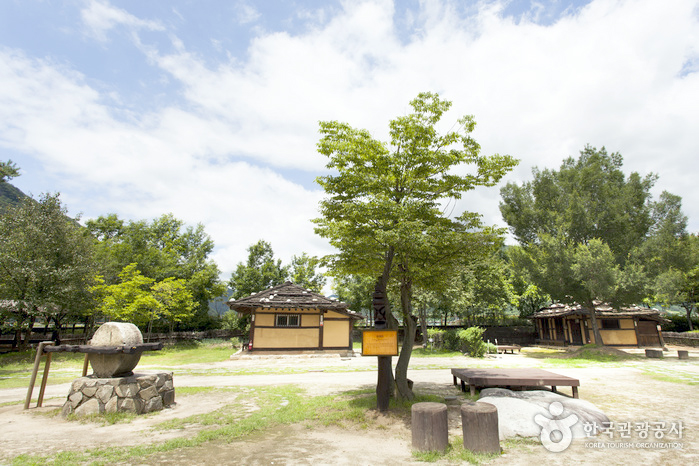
[380, 343]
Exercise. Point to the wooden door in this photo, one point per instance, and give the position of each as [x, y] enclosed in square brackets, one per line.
[647, 333]
[576, 332]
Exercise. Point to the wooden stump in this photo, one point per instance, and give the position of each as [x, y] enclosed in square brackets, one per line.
[683, 354]
[429, 426]
[654, 353]
[479, 422]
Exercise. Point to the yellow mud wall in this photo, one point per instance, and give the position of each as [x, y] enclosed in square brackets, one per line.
[310, 320]
[286, 337]
[264, 320]
[336, 333]
[619, 337]
[625, 335]
[291, 337]
[626, 324]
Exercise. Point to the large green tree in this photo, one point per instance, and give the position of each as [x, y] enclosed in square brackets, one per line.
[384, 210]
[529, 296]
[143, 301]
[355, 291]
[303, 271]
[582, 228]
[259, 272]
[679, 285]
[46, 261]
[161, 249]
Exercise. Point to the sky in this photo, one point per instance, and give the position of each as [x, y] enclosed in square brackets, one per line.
[209, 109]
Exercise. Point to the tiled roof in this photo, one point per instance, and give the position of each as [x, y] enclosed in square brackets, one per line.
[601, 309]
[288, 296]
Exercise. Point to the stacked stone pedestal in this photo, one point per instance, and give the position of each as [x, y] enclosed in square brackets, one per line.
[140, 393]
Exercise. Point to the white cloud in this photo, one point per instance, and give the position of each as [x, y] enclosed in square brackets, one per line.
[613, 74]
[246, 13]
[100, 17]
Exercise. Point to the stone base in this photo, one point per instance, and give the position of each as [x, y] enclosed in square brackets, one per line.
[140, 393]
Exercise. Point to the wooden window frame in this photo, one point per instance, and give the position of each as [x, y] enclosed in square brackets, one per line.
[287, 318]
[610, 324]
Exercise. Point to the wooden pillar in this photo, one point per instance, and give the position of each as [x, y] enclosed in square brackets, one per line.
[429, 426]
[35, 370]
[479, 422]
[384, 383]
[635, 330]
[44, 379]
[660, 336]
[320, 330]
[251, 344]
[86, 364]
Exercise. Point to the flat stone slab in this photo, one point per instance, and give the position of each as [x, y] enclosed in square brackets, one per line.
[140, 393]
[517, 411]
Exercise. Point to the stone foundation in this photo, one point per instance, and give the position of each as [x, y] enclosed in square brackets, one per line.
[140, 393]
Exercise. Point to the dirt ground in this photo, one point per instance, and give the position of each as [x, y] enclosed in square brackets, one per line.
[625, 394]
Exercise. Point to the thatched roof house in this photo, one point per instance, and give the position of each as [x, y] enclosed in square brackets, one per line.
[563, 324]
[290, 318]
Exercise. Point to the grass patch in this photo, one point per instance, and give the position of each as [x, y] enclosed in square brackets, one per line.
[16, 367]
[104, 419]
[455, 453]
[432, 353]
[191, 352]
[672, 378]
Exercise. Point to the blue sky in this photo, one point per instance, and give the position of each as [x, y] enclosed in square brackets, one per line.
[210, 109]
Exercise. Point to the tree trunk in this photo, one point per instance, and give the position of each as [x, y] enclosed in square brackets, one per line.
[595, 325]
[23, 343]
[410, 326]
[150, 326]
[422, 312]
[56, 337]
[688, 308]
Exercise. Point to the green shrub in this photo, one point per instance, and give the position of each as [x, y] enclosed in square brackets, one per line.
[490, 348]
[678, 323]
[437, 336]
[451, 341]
[471, 341]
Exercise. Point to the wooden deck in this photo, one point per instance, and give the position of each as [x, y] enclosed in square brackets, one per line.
[512, 378]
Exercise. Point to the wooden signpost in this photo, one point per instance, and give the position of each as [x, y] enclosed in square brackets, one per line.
[380, 343]
[383, 343]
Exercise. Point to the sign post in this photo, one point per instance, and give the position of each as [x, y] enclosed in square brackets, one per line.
[383, 343]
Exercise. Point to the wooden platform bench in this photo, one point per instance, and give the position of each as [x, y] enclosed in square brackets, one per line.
[511, 378]
[505, 348]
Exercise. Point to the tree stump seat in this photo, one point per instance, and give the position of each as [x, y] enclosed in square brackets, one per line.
[429, 426]
[479, 422]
